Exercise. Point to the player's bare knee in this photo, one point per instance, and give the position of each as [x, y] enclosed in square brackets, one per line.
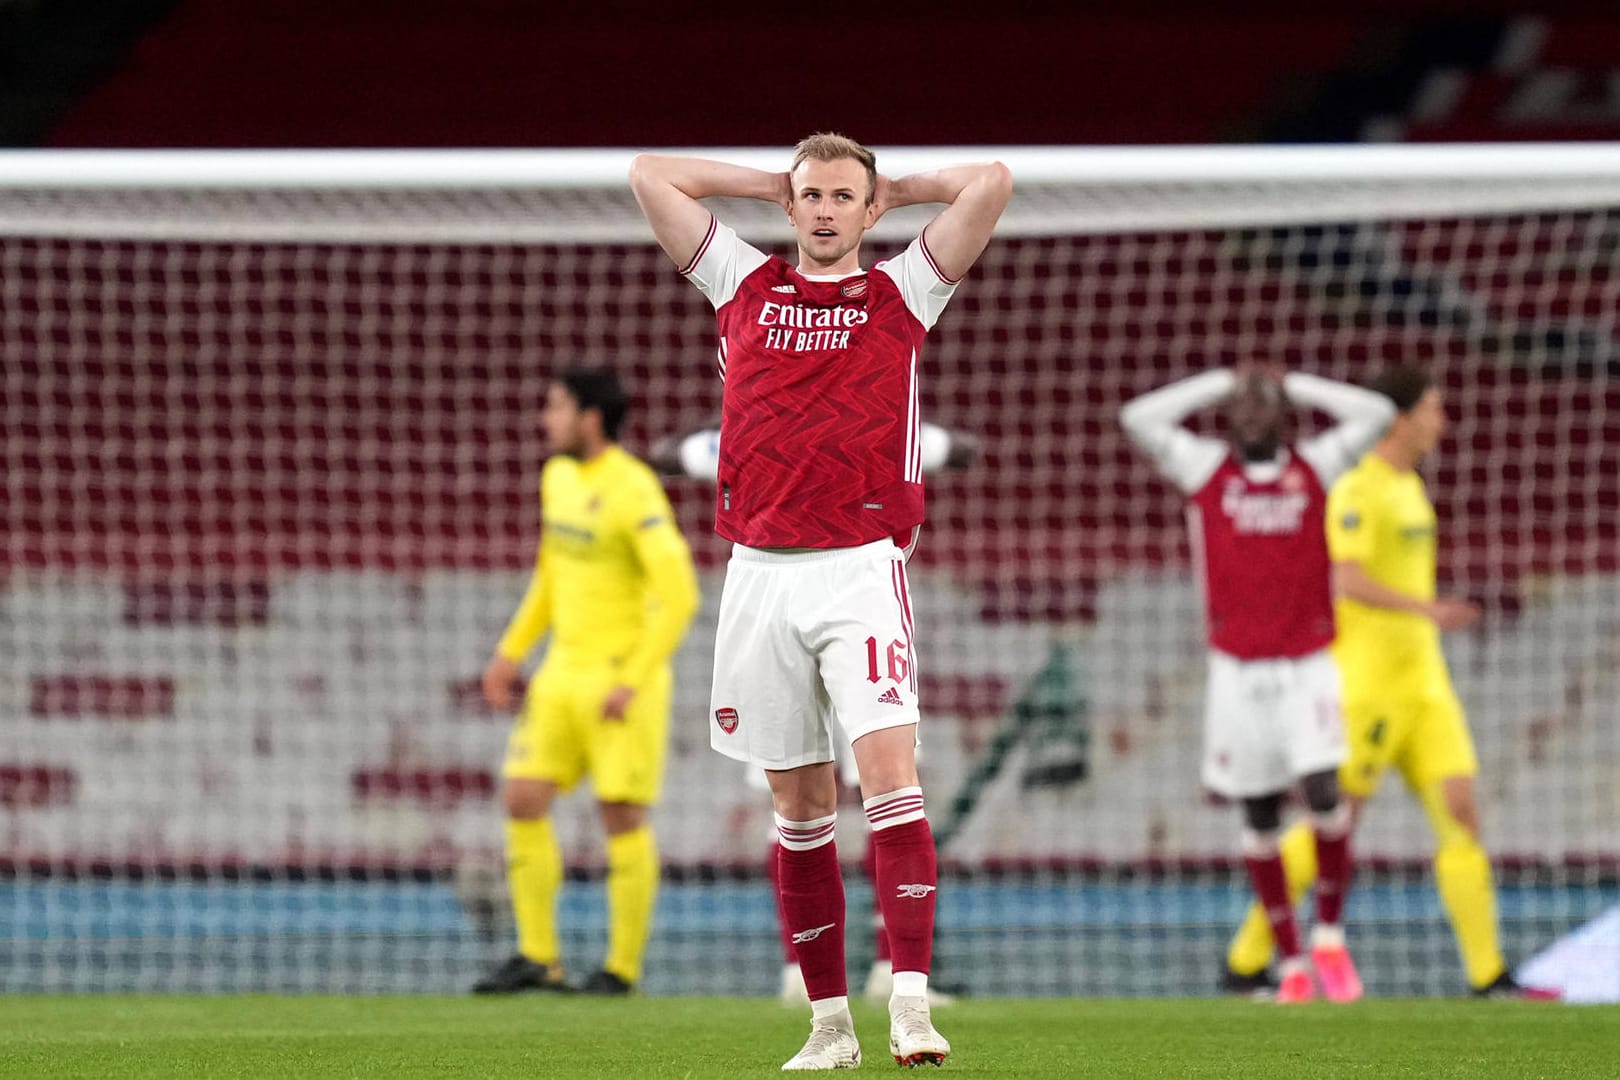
[1321, 791]
[804, 794]
[527, 800]
[887, 760]
[622, 817]
[1263, 813]
[1460, 804]
[1467, 815]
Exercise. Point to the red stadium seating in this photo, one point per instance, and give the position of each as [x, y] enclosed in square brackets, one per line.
[299, 73]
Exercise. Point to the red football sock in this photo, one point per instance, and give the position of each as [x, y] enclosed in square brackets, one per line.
[1265, 865]
[880, 936]
[906, 876]
[1332, 863]
[810, 889]
[773, 873]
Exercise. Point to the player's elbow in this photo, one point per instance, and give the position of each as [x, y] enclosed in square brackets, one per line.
[1133, 419]
[996, 183]
[1000, 179]
[644, 173]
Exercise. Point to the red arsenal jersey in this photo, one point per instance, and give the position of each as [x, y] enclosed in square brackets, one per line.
[819, 439]
[1259, 535]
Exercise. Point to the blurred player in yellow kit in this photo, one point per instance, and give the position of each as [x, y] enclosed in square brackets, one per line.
[1399, 705]
[615, 587]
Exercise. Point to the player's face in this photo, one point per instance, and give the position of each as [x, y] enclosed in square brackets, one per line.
[830, 210]
[564, 422]
[1255, 418]
[1426, 421]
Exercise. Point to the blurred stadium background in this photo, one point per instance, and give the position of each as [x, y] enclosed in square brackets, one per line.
[269, 499]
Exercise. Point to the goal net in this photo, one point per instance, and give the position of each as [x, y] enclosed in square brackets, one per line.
[269, 434]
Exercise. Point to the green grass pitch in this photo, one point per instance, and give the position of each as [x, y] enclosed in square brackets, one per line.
[134, 1037]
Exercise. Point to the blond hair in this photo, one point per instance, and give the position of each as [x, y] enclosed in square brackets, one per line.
[830, 146]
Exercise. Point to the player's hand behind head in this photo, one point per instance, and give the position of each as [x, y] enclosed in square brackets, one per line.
[880, 198]
[1451, 614]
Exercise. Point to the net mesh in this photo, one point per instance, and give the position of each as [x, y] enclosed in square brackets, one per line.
[270, 496]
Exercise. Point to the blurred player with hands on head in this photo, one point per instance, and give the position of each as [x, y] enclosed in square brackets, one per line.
[1400, 707]
[820, 490]
[615, 587]
[1272, 720]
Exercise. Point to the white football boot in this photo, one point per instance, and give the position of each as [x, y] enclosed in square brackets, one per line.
[912, 1038]
[832, 1045]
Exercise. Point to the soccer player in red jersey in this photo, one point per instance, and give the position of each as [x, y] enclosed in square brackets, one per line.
[1256, 509]
[696, 454]
[820, 489]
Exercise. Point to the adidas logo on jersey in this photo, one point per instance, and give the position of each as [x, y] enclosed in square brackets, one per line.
[811, 934]
[890, 697]
[784, 288]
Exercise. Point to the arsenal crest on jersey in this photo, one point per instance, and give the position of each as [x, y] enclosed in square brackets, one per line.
[851, 289]
[727, 719]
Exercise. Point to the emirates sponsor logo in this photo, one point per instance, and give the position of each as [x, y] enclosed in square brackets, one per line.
[727, 719]
[913, 892]
[797, 317]
[811, 934]
[1254, 513]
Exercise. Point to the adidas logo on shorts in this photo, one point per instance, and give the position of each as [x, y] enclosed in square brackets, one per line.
[890, 697]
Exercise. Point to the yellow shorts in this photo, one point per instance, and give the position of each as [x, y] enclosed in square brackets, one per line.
[1423, 734]
[562, 735]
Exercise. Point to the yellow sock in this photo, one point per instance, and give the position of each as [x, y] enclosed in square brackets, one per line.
[1252, 945]
[1462, 872]
[632, 887]
[534, 874]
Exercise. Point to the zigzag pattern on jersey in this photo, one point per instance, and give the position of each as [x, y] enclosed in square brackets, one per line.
[815, 443]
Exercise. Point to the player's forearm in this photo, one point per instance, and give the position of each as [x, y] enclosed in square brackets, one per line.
[949, 184]
[1352, 582]
[1149, 417]
[530, 623]
[702, 178]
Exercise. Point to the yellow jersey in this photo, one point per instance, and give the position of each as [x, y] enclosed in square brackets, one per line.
[613, 581]
[1381, 518]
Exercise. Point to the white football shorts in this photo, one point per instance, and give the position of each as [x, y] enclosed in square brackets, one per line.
[806, 641]
[1267, 723]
